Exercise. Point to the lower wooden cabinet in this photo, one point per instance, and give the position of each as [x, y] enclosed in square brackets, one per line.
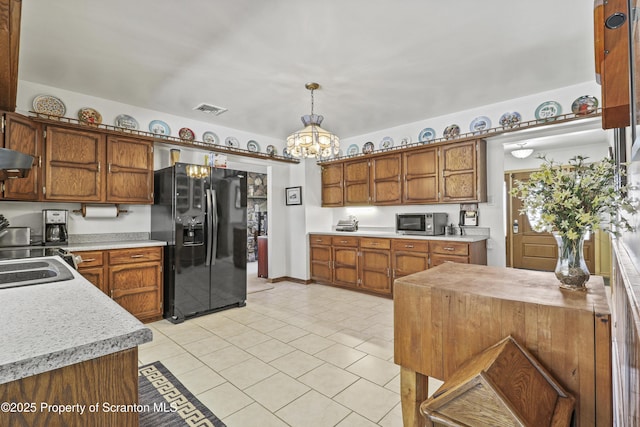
[132, 277]
[372, 264]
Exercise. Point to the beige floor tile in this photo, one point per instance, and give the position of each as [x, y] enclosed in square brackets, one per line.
[270, 350]
[225, 358]
[380, 331]
[296, 363]
[394, 384]
[340, 355]
[313, 410]
[248, 373]
[393, 418]
[244, 315]
[276, 391]
[230, 329]
[433, 385]
[328, 379]
[248, 339]
[368, 399]
[181, 363]
[224, 400]
[200, 380]
[253, 415]
[287, 333]
[158, 338]
[356, 420]
[322, 329]
[375, 370]
[349, 337]
[377, 347]
[161, 351]
[190, 335]
[267, 324]
[311, 343]
[206, 346]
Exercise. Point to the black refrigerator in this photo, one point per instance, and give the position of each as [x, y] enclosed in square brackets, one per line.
[201, 213]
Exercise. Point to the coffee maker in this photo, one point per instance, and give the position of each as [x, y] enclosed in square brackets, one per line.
[54, 226]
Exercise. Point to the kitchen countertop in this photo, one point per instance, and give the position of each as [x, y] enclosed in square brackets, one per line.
[120, 244]
[393, 235]
[49, 326]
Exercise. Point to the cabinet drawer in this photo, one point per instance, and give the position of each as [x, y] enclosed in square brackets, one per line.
[319, 239]
[90, 259]
[133, 255]
[367, 242]
[410, 245]
[449, 248]
[344, 241]
[437, 259]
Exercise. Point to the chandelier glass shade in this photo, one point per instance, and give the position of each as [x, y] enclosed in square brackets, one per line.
[521, 152]
[312, 140]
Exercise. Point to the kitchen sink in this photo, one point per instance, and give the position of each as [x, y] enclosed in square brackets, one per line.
[32, 272]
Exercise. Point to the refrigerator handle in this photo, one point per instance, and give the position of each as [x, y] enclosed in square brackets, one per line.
[212, 227]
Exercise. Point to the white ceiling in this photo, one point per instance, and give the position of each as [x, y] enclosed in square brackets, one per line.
[380, 63]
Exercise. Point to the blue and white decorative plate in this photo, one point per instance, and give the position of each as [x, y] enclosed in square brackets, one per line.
[286, 153]
[232, 142]
[210, 138]
[253, 146]
[353, 150]
[480, 124]
[426, 134]
[159, 127]
[126, 121]
[387, 142]
[368, 147]
[586, 104]
[406, 140]
[510, 119]
[271, 150]
[548, 110]
[451, 131]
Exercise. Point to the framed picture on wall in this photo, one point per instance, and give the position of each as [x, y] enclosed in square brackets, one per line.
[293, 195]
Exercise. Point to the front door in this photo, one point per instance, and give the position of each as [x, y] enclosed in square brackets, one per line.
[528, 249]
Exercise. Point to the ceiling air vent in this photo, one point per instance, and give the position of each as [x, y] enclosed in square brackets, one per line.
[210, 109]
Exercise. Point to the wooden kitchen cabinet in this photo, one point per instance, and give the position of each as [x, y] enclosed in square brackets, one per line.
[332, 185]
[344, 252]
[375, 265]
[23, 135]
[462, 252]
[409, 256]
[420, 176]
[129, 170]
[132, 277]
[321, 258]
[356, 182]
[463, 172]
[385, 179]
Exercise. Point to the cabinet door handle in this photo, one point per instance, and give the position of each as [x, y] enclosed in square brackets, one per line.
[137, 256]
[388, 272]
[344, 241]
[408, 246]
[375, 243]
[448, 249]
[98, 166]
[88, 259]
[109, 167]
[318, 240]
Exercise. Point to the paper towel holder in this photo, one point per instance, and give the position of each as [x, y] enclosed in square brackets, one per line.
[83, 210]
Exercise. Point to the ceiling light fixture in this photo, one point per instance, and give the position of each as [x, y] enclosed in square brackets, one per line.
[313, 141]
[521, 152]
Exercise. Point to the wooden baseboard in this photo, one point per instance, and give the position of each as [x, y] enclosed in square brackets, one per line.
[289, 279]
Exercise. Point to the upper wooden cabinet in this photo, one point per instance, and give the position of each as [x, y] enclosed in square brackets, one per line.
[10, 11]
[449, 172]
[88, 166]
[21, 134]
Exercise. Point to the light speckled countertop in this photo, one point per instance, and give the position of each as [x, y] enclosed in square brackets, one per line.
[49, 326]
[393, 235]
[121, 244]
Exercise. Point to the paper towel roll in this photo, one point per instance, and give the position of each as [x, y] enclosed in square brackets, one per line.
[100, 211]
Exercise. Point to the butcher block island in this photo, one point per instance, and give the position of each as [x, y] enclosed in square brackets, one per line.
[67, 343]
[448, 314]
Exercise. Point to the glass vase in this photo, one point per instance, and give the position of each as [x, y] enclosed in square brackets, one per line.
[571, 270]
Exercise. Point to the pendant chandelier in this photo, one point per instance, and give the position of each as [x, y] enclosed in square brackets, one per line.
[521, 152]
[313, 141]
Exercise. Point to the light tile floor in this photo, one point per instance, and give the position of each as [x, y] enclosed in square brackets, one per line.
[296, 355]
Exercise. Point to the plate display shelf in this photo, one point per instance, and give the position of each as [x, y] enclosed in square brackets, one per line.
[487, 133]
[172, 140]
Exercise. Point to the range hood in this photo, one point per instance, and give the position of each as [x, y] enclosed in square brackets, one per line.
[14, 164]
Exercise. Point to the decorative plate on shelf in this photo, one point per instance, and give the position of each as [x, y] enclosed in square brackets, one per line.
[426, 134]
[253, 146]
[480, 124]
[353, 150]
[511, 119]
[210, 138]
[286, 154]
[368, 147]
[586, 104]
[47, 104]
[126, 121]
[186, 134]
[451, 131]
[159, 127]
[387, 142]
[271, 150]
[406, 140]
[231, 142]
[89, 115]
[548, 110]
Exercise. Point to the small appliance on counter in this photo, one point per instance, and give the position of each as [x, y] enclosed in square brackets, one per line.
[15, 236]
[468, 214]
[426, 224]
[350, 224]
[54, 226]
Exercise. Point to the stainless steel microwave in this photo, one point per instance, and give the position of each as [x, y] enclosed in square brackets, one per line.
[427, 224]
